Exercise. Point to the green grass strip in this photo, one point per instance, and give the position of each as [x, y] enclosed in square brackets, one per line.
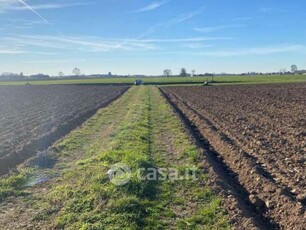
[171, 80]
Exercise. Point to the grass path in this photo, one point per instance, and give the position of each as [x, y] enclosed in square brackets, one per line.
[139, 130]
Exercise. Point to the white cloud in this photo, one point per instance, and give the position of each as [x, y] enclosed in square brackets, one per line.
[11, 50]
[256, 51]
[44, 53]
[176, 20]
[14, 24]
[179, 40]
[14, 5]
[85, 44]
[195, 45]
[56, 61]
[47, 6]
[151, 6]
[95, 44]
[166, 24]
[216, 28]
[183, 17]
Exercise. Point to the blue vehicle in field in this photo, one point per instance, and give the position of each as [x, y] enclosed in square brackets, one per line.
[138, 82]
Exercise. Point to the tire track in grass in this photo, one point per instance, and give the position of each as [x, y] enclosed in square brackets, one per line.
[180, 204]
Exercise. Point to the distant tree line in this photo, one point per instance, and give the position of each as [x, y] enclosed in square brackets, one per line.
[183, 73]
[76, 73]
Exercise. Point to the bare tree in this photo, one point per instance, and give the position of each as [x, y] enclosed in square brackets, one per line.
[183, 72]
[76, 71]
[193, 73]
[294, 68]
[167, 72]
[61, 74]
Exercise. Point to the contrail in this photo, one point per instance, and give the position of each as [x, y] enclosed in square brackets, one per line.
[40, 16]
[173, 21]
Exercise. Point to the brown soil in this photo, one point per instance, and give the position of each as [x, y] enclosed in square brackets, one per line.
[254, 140]
[34, 117]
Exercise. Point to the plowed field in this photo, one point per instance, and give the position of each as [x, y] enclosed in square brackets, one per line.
[33, 117]
[259, 133]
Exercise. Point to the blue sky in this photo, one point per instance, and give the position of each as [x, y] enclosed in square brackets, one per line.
[146, 37]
